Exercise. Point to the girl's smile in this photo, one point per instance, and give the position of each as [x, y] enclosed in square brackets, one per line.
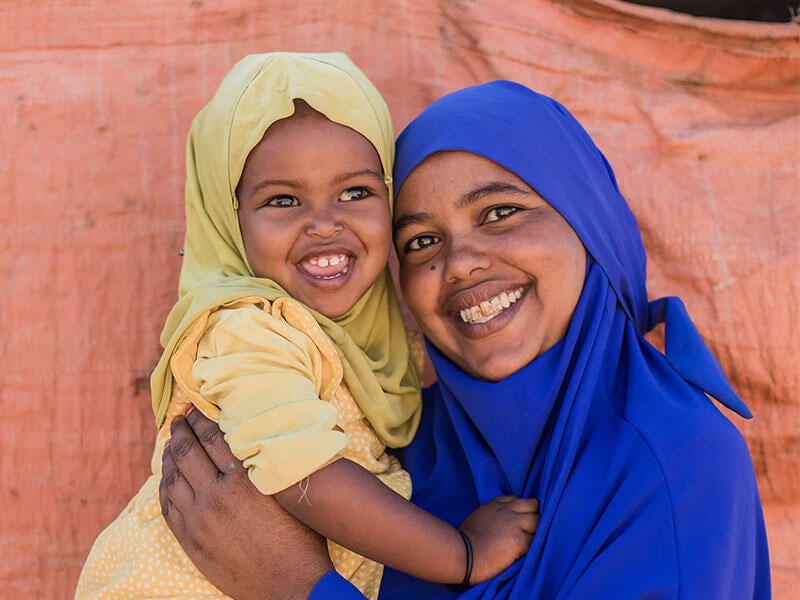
[314, 211]
[329, 266]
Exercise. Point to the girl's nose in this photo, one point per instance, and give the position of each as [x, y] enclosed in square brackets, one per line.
[324, 223]
[464, 260]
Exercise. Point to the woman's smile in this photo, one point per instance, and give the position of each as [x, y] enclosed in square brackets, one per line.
[487, 310]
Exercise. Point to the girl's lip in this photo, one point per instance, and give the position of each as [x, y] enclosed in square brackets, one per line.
[322, 250]
[326, 265]
[318, 258]
[330, 277]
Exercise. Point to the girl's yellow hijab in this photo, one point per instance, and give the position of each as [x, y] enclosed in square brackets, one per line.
[257, 92]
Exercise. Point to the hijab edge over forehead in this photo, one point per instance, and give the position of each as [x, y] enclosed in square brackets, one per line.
[259, 90]
[537, 139]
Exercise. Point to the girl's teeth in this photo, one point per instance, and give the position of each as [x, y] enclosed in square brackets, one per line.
[328, 267]
[323, 261]
[489, 309]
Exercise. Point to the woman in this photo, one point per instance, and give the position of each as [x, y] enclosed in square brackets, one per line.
[525, 270]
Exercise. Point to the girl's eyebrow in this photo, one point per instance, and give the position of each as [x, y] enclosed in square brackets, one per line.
[339, 179]
[488, 189]
[368, 172]
[268, 182]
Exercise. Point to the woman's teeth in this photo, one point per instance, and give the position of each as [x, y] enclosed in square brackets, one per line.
[489, 309]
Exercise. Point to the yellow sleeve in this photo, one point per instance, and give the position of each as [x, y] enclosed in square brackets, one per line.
[270, 382]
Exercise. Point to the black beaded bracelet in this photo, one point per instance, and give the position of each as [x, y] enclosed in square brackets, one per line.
[460, 587]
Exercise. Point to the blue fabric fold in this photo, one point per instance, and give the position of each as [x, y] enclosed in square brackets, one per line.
[689, 355]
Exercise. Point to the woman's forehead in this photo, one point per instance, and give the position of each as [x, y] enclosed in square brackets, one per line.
[458, 177]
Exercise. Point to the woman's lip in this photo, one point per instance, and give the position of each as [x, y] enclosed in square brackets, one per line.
[476, 294]
[486, 310]
[499, 320]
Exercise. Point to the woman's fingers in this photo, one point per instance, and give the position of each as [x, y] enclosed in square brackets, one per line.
[212, 439]
[174, 493]
[189, 453]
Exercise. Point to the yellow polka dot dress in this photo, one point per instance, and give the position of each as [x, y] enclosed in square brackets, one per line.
[273, 380]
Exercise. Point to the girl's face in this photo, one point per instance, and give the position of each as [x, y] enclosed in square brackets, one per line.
[490, 270]
[314, 211]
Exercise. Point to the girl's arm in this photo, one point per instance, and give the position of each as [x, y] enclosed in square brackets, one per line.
[266, 376]
[349, 505]
[241, 540]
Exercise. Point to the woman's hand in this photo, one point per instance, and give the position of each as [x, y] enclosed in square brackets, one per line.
[500, 532]
[242, 541]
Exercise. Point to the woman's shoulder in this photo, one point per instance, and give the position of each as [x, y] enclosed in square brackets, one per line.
[685, 430]
[701, 458]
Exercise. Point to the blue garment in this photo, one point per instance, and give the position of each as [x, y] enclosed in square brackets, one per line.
[646, 489]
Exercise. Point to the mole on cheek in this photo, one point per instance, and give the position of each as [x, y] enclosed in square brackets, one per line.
[433, 267]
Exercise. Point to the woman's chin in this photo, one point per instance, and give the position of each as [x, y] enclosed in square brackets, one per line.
[493, 368]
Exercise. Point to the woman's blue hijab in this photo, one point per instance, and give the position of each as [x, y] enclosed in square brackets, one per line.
[620, 443]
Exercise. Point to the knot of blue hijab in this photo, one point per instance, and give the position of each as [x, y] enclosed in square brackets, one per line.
[536, 138]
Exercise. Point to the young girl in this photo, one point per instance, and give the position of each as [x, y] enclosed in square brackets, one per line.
[288, 333]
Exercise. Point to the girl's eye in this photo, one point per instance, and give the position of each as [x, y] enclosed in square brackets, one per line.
[282, 201]
[499, 213]
[356, 193]
[420, 243]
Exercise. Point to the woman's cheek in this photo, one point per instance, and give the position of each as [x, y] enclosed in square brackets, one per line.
[418, 284]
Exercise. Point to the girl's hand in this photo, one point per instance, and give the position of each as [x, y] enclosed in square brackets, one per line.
[501, 532]
[241, 541]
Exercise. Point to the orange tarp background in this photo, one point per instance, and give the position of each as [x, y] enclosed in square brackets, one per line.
[699, 117]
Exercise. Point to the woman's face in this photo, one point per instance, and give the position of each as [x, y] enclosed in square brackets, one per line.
[490, 270]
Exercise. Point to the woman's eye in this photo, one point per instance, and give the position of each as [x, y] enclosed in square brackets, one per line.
[420, 243]
[282, 201]
[499, 213]
[356, 193]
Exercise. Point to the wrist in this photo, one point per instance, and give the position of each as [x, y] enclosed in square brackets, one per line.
[320, 572]
[468, 563]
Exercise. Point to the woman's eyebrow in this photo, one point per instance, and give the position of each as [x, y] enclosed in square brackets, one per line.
[488, 189]
[410, 219]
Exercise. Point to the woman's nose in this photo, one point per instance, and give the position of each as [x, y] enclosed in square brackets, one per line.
[465, 260]
[324, 223]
